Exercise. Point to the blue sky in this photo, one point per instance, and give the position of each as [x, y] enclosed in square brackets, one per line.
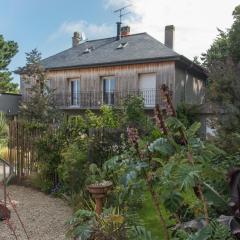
[49, 24]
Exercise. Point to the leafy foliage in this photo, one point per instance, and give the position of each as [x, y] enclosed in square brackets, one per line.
[8, 49]
[110, 225]
[39, 106]
[134, 115]
[107, 118]
[3, 131]
[49, 156]
[71, 170]
[214, 231]
[186, 113]
[222, 61]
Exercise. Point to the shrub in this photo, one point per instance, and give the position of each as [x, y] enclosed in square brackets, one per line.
[3, 132]
[134, 111]
[112, 224]
[72, 169]
[107, 118]
[186, 113]
[48, 149]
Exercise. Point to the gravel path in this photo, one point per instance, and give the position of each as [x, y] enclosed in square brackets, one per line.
[43, 216]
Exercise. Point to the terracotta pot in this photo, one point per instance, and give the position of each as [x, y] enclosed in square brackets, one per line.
[4, 212]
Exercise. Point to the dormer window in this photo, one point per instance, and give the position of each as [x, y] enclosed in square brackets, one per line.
[122, 45]
[88, 50]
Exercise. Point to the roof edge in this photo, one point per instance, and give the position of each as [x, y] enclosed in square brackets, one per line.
[193, 66]
[117, 63]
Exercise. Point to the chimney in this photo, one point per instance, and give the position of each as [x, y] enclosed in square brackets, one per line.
[76, 39]
[125, 31]
[169, 36]
[119, 30]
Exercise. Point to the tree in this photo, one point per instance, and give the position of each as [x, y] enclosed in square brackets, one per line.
[8, 50]
[234, 36]
[39, 106]
[222, 61]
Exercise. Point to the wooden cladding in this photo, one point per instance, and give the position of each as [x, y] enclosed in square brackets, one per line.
[127, 77]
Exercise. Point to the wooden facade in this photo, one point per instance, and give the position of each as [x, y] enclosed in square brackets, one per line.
[126, 76]
[127, 79]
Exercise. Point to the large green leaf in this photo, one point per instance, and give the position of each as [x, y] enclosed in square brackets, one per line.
[193, 129]
[203, 234]
[187, 176]
[162, 146]
[140, 233]
[213, 196]
[174, 124]
[173, 201]
[83, 231]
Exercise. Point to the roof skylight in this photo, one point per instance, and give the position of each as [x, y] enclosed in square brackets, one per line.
[122, 45]
[88, 50]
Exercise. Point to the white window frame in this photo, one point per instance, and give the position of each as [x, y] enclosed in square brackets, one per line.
[110, 92]
[75, 95]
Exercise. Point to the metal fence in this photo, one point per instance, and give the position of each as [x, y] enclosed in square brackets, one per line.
[94, 99]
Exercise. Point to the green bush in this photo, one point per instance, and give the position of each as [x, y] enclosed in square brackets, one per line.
[186, 113]
[108, 118]
[72, 169]
[48, 149]
[134, 115]
[3, 131]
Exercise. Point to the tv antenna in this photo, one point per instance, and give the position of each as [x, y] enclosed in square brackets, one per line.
[122, 13]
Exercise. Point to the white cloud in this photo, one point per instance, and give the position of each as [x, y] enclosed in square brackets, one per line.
[89, 30]
[115, 3]
[196, 22]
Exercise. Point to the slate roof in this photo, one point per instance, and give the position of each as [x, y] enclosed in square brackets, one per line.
[140, 48]
[104, 51]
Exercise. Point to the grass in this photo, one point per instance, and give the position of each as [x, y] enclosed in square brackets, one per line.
[151, 220]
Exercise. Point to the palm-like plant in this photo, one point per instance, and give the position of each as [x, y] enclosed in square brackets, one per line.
[112, 224]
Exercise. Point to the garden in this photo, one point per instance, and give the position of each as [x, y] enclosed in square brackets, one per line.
[128, 175]
[123, 174]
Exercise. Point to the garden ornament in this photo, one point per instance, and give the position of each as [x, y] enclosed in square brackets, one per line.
[99, 192]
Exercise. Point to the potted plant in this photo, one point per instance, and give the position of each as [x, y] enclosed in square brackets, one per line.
[4, 212]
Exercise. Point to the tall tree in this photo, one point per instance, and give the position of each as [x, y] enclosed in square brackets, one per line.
[223, 63]
[234, 36]
[8, 50]
[39, 106]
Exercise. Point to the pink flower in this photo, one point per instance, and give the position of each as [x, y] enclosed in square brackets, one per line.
[133, 136]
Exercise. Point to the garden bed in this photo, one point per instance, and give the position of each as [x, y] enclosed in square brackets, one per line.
[44, 217]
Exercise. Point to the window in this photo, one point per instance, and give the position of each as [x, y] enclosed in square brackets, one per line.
[122, 45]
[147, 88]
[88, 50]
[75, 92]
[109, 87]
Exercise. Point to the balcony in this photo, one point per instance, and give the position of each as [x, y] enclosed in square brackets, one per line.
[94, 99]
